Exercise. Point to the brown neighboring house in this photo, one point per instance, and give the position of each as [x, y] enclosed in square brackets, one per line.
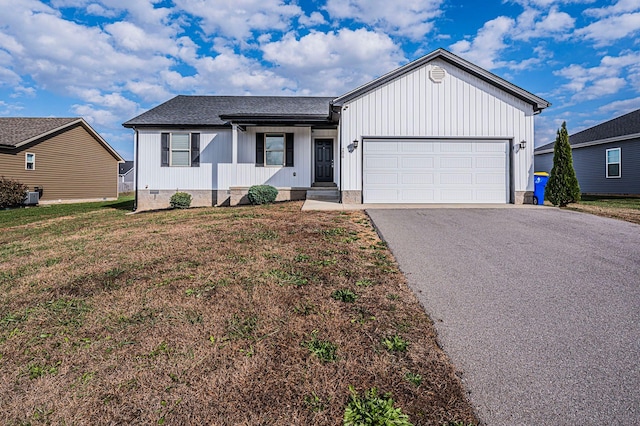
[64, 156]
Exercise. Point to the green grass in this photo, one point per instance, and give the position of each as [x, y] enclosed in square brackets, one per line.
[611, 201]
[24, 216]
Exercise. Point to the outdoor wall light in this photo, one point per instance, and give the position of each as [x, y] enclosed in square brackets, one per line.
[523, 144]
[355, 143]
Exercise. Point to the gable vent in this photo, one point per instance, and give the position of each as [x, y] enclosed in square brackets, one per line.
[437, 74]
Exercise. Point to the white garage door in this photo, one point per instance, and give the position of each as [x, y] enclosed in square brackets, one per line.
[435, 171]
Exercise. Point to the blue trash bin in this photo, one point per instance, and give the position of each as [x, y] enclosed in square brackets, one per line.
[540, 180]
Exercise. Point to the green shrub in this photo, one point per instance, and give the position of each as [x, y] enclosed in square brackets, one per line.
[12, 192]
[373, 410]
[180, 200]
[262, 194]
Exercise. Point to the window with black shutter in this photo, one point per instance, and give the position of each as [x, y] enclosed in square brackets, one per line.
[274, 149]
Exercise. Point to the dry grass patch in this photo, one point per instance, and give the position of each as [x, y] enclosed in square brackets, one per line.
[212, 316]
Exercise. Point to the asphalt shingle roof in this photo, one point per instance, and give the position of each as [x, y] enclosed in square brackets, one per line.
[207, 110]
[14, 130]
[627, 124]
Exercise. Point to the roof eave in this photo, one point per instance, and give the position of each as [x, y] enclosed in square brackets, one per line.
[538, 103]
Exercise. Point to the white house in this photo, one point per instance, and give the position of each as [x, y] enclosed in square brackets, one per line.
[437, 130]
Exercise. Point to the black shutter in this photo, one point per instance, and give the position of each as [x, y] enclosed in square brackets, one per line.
[289, 150]
[195, 149]
[164, 151]
[259, 149]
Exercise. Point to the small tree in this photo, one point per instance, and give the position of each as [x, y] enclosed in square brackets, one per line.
[563, 187]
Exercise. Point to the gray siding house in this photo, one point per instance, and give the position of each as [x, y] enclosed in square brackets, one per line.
[606, 157]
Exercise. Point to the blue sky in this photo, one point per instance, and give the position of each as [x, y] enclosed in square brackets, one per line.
[109, 60]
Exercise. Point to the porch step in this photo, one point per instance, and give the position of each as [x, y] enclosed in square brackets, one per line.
[324, 185]
[324, 194]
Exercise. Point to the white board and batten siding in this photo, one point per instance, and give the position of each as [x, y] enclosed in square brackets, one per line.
[215, 148]
[245, 173]
[216, 170]
[434, 171]
[461, 106]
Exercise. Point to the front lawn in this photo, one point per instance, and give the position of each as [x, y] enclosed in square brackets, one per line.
[26, 215]
[226, 316]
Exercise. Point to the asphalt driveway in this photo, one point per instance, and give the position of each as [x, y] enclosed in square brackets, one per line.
[538, 308]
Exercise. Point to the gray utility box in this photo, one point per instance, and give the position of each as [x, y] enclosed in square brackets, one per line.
[32, 198]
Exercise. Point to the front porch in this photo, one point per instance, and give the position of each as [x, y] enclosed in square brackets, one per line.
[310, 170]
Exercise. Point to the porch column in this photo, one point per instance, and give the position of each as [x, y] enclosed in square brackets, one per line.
[234, 144]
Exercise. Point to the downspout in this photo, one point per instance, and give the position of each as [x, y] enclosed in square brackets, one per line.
[135, 164]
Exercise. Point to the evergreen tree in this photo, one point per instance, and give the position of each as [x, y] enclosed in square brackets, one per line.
[563, 187]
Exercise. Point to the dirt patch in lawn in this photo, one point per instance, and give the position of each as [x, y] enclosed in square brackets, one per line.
[231, 316]
[626, 214]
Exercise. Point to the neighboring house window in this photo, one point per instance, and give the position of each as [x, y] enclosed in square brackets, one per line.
[180, 150]
[613, 163]
[274, 149]
[30, 161]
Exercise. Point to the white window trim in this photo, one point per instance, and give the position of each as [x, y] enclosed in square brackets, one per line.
[619, 163]
[179, 150]
[26, 161]
[284, 149]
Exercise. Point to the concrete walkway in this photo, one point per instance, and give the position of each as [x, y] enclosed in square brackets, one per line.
[318, 205]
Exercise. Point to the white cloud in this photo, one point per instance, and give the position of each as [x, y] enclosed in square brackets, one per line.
[488, 43]
[621, 107]
[410, 18]
[237, 19]
[606, 31]
[315, 19]
[554, 24]
[605, 79]
[333, 62]
[97, 10]
[136, 39]
[622, 6]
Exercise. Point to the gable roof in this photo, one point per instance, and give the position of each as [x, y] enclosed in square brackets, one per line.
[125, 167]
[220, 110]
[626, 126]
[538, 103]
[18, 131]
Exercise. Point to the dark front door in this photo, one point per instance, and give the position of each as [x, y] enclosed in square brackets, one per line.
[324, 160]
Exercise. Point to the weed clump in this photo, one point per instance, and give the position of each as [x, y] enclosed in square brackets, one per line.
[372, 410]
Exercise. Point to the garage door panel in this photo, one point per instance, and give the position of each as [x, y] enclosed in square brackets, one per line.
[417, 178]
[416, 162]
[496, 179]
[383, 196]
[456, 162]
[435, 171]
[384, 163]
[490, 147]
[456, 195]
[416, 147]
[456, 147]
[489, 163]
[383, 147]
[417, 196]
[456, 178]
[381, 178]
